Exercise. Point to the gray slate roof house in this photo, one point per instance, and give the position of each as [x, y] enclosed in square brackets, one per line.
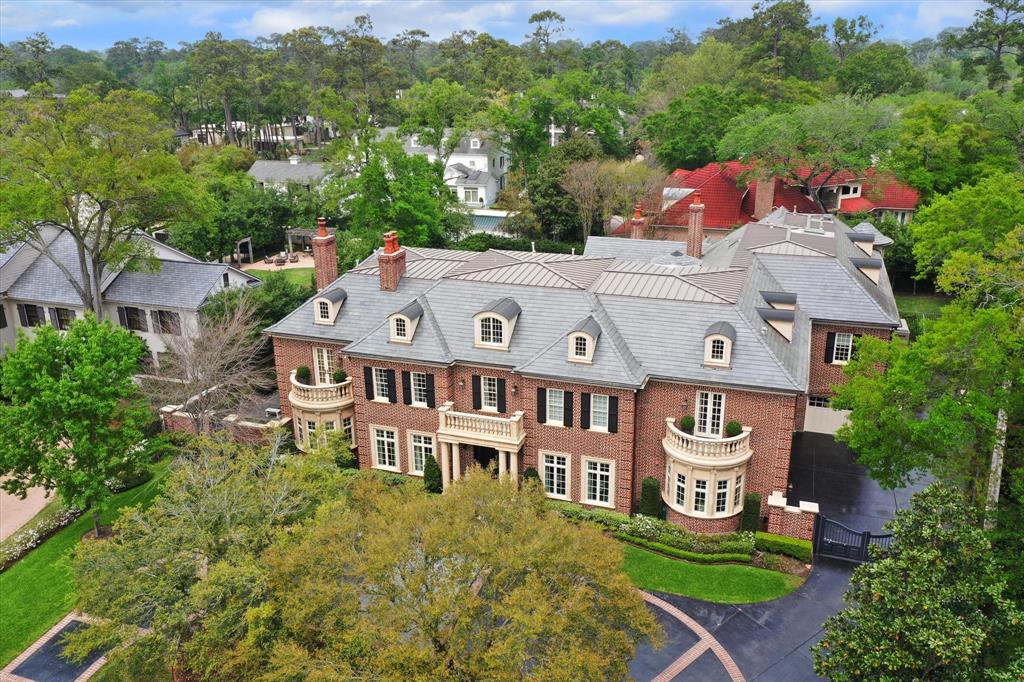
[648, 306]
[280, 173]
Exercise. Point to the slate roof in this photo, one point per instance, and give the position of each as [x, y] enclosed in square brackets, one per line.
[304, 172]
[651, 317]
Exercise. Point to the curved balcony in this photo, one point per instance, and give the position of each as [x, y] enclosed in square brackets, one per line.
[706, 452]
[322, 397]
[478, 429]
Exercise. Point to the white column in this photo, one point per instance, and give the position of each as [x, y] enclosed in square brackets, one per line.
[446, 467]
[502, 468]
[514, 464]
[456, 461]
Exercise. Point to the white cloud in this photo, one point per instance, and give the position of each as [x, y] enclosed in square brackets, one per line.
[67, 21]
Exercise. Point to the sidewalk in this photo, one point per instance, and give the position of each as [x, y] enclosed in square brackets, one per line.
[16, 512]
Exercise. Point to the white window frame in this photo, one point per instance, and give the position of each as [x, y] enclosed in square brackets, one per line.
[595, 399]
[709, 351]
[474, 143]
[323, 365]
[380, 385]
[718, 350]
[401, 328]
[300, 432]
[679, 491]
[418, 388]
[489, 394]
[822, 401]
[471, 194]
[561, 407]
[492, 327]
[559, 461]
[586, 470]
[580, 346]
[708, 403]
[580, 340]
[323, 310]
[721, 496]
[311, 435]
[423, 443]
[379, 437]
[737, 493]
[846, 346]
[700, 492]
[348, 426]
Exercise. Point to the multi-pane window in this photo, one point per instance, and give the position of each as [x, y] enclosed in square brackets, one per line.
[471, 195]
[737, 492]
[422, 447]
[300, 433]
[135, 319]
[380, 384]
[819, 401]
[843, 349]
[324, 309]
[330, 426]
[710, 407]
[680, 490]
[167, 322]
[418, 388]
[31, 315]
[718, 350]
[599, 482]
[599, 412]
[491, 330]
[63, 317]
[385, 448]
[346, 426]
[323, 361]
[400, 329]
[489, 393]
[580, 347]
[556, 406]
[556, 473]
[311, 431]
[700, 495]
[721, 496]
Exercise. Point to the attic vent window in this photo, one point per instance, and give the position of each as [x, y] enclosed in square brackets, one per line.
[474, 143]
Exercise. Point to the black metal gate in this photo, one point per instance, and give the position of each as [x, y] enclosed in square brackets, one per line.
[833, 539]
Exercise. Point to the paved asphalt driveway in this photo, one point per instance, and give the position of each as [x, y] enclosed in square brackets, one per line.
[770, 641]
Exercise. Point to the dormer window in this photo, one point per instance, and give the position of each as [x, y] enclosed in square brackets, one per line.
[583, 340]
[718, 341]
[324, 310]
[580, 346]
[474, 143]
[850, 191]
[401, 331]
[495, 324]
[403, 323]
[327, 305]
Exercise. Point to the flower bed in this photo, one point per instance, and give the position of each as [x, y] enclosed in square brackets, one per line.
[682, 553]
[33, 535]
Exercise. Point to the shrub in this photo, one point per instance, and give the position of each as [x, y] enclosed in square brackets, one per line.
[650, 497]
[531, 475]
[302, 374]
[733, 429]
[686, 423]
[751, 521]
[682, 553]
[669, 534]
[603, 517]
[773, 562]
[432, 482]
[781, 544]
[339, 376]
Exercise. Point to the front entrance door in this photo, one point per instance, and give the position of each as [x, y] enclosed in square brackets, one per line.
[486, 457]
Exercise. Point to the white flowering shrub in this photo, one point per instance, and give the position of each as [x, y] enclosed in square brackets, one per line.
[19, 544]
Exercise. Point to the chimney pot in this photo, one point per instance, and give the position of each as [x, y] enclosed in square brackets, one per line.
[325, 256]
[391, 242]
[695, 233]
[391, 263]
[321, 224]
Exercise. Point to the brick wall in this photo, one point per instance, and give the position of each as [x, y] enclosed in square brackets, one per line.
[824, 375]
[726, 525]
[292, 353]
[795, 522]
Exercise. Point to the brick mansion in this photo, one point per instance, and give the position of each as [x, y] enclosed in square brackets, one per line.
[693, 362]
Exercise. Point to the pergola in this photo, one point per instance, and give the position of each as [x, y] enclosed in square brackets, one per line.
[303, 235]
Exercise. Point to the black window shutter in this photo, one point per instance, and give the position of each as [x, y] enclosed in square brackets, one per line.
[3, 317]
[584, 410]
[368, 380]
[23, 316]
[613, 414]
[567, 419]
[53, 318]
[501, 395]
[122, 316]
[542, 405]
[431, 396]
[392, 391]
[830, 346]
[406, 388]
[477, 401]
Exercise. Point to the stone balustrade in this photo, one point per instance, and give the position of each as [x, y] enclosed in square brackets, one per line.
[478, 429]
[322, 397]
[704, 451]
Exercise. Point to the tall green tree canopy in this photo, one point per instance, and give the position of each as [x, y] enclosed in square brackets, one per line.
[997, 32]
[879, 69]
[70, 416]
[440, 114]
[686, 135]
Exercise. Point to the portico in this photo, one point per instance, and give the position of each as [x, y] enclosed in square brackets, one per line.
[462, 435]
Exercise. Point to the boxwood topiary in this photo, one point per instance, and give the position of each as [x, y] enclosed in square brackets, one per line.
[733, 429]
[432, 482]
[686, 423]
[531, 474]
[302, 374]
[751, 520]
[650, 497]
[339, 376]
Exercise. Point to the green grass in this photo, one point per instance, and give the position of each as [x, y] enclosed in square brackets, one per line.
[301, 276]
[926, 305]
[38, 590]
[724, 583]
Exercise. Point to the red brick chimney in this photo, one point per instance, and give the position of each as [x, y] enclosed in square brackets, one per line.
[637, 225]
[391, 263]
[764, 198]
[695, 233]
[325, 256]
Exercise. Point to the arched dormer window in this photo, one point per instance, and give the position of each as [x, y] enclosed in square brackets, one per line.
[583, 341]
[327, 305]
[403, 323]
[492, 330]
[718, 341]
[495, 324]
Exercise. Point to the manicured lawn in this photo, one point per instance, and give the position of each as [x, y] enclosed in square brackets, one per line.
[723, 583]
[926, 305]
[301, 276]
[38, 590]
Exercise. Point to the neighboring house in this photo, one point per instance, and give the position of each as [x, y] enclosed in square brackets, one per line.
[264, 137]
[731, 201]
[278, 174]
[581, 366]
[476, 170]
[34, 291]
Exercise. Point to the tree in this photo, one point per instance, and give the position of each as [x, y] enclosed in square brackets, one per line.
[70, 417]
[582, 182]
[555, 208]
[549, 24]
[932, 607]
[187, 568]
[813, 143]
[99, 169]
[440, 113]
[480, 583]
[217, 365]
[851, 35]
[997, 31]
[879, 69]
[687, 134]
[714, 63]
[432, 479]
[972, 218]
[650, 498]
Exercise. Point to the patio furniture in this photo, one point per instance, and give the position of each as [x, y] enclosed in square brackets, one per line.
[268, 259]
[280, 260]
[293, 258]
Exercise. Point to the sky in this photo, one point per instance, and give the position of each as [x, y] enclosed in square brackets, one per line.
[96, 24]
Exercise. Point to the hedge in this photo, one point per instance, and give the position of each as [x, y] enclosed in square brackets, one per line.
[682, 553]
[781, 544]
[603, 517]
[650, 498]
[751, 519]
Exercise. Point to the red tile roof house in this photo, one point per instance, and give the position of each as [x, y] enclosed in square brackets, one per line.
[580, 366]
[730, 200]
